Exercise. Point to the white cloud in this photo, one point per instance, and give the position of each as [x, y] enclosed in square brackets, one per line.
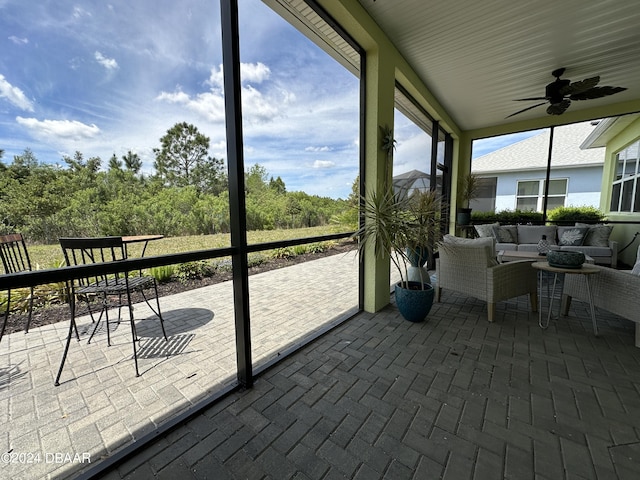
[254, 72]
[59, 129]
[216, 78]
[249, 72]
[175, 97]
[323, 164]
[108, 63]
[79, 12]
[257, 107]
[18, 40]
[317, 149]
[208, 105]
[14, 95]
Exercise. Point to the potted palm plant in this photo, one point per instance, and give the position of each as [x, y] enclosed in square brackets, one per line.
[401, 228]
[469, 188]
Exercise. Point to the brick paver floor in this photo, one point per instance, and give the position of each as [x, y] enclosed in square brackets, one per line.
[101, 406]
[454, 397]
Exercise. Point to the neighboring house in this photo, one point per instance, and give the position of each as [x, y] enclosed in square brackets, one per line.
[513, 177]
[620, 199]
[406, 183]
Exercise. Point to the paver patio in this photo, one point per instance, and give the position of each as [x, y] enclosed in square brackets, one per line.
[101, 405]
[377, 397]
[454, 397]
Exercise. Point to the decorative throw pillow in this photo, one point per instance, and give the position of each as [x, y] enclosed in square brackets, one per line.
[486, 229]
[572, 236]
[598, 235]
[504, 235]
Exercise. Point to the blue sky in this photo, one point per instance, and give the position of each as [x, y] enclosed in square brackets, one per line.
[109, 77]
[487, 145]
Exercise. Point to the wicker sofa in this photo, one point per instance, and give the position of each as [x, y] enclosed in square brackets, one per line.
[592, 240]
[613, 290]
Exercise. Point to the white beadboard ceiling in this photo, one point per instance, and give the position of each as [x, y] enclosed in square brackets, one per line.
[476, 57]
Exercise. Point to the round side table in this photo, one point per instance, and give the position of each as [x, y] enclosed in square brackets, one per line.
[587, 270]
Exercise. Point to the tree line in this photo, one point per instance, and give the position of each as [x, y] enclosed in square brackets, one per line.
[186, 195]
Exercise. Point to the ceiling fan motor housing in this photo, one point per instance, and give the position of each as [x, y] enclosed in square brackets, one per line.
[554, 92]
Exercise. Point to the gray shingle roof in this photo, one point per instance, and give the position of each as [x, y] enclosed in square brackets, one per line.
[531, 153]
[404, 183]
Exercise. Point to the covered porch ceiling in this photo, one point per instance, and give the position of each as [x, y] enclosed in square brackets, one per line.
[476, 58]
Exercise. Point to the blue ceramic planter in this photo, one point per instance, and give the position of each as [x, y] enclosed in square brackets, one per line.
[414, 303]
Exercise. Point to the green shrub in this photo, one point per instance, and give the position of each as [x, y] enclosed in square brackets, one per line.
[223, 265]
[286, 252]
[571, 215]
[483, 217]
[43, 295]
[557, 216]
[300, 249]
[318, 247]
[256, 259]
[507, 217]
[192, 270]
[19, 300]
[163, 273]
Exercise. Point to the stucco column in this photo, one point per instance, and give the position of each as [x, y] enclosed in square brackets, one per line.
[379, 111]
[461, 167]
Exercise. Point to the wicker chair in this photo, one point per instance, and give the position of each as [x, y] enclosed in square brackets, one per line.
[470, 267]
[613, 290]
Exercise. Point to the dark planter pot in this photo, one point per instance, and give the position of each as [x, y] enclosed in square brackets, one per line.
[414, 302]
[464, 216]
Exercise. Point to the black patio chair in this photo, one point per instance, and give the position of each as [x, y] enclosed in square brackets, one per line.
[15, 259]
[113, 290]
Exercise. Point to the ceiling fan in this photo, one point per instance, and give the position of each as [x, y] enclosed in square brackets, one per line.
[559, 93]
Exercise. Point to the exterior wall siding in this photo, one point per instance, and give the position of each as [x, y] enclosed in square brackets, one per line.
[583, 187]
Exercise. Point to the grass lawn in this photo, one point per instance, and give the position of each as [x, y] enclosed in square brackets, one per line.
[49, 256]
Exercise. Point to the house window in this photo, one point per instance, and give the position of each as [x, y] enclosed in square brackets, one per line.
[486, 199]
[625, 194]
[530, 195]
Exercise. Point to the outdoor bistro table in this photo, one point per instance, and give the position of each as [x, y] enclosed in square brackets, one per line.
[139, 239]
[586, 269]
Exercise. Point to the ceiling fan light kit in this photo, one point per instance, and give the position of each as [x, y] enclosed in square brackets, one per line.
[561, 92]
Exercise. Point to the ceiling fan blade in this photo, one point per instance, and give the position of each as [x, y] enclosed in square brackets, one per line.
[529, 99]
[558, 108]
[525, 109]
[596, 92]
[581, 86]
